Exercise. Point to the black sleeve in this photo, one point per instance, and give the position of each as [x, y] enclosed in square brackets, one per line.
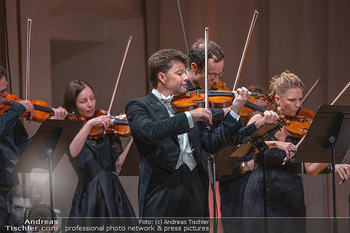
[214, 139]
[150, 131]
[241, 134]
[9, 119]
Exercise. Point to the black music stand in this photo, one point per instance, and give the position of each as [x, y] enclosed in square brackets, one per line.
[47, 147]
[330, 126]
[256, 140]
[223, 162]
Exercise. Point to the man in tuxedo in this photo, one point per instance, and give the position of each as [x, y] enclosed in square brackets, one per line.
[13, 141]
[171, 144]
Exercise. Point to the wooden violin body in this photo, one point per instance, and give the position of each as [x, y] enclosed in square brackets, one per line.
[195, 99]
[246, 112]
[42, 111]
[216, 99]
[299, 125]
[119, 126]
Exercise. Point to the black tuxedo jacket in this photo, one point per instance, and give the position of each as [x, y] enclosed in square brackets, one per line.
[155, 135]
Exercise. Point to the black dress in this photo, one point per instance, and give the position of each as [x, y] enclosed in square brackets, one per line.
[99, 192]
[278, 193]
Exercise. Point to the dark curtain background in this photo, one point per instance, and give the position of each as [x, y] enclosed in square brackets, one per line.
[309, 38]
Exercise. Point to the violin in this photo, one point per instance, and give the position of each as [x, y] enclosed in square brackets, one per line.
[42, 111]
[246, 112]
[119, 126]
[195, 99]
[216, 99]
[299, 124]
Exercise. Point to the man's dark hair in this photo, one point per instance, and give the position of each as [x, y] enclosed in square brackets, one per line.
[161, 61]
[197, 53]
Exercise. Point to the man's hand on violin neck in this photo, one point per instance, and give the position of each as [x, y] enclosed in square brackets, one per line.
[268, 117]
[241, 97]
[29, 107]
[201, 114]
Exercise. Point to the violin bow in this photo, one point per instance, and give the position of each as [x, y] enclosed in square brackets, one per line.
[255, 16]
[119, 75]
[206, 32]
[29, 35]
[318, 81]
[183, 27]
[341, 93]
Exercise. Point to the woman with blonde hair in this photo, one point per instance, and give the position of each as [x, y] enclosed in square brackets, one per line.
[275, 188]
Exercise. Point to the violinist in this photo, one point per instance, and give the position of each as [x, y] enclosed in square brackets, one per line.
[99, 192]
[196, 67]
[196, 71]
[171, 145]
[14, 139]
[282, 186]
[196, 76]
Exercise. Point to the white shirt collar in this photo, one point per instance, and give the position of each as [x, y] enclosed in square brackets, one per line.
[161, 97]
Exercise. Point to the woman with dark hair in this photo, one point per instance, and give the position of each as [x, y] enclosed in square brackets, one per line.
[99, 192]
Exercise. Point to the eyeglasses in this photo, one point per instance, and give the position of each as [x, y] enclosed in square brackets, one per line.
[214, 75]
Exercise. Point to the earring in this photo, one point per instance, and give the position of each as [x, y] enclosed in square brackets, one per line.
[278, 108]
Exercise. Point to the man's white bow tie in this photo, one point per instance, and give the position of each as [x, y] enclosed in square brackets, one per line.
[166, 100]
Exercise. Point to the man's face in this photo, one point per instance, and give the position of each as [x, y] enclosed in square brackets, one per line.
[3, 90]
[17, 211]
[215, 71]
[175, 80]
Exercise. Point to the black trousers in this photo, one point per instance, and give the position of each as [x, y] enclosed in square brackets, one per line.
[177, 194]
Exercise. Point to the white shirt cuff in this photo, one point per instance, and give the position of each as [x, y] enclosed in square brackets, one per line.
[189, 119]
[234, 115]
